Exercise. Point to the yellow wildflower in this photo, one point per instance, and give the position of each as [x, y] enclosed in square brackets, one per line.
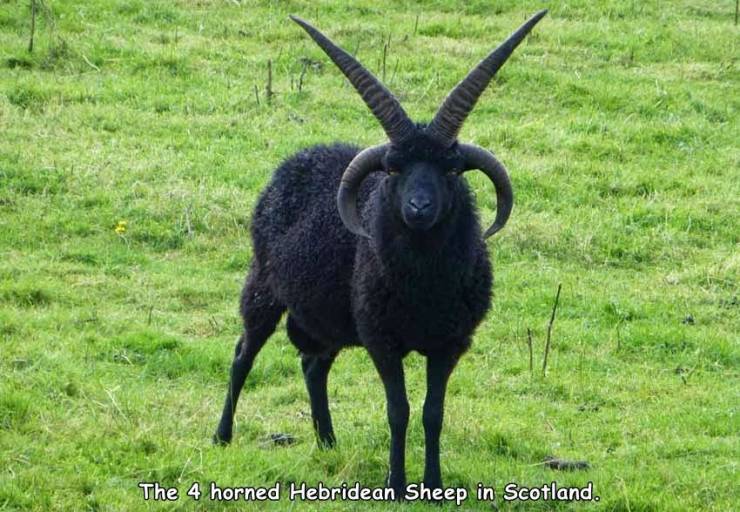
[121, 227]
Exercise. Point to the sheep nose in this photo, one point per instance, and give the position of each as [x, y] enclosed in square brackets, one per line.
[419, 204]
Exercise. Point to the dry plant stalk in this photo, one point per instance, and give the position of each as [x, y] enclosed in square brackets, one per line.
[549, 330]
[33, 26]
[268, 89]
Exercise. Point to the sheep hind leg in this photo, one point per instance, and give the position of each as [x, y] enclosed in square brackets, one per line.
[316, 374]
[261, 313]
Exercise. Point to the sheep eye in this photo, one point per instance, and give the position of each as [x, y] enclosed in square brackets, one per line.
[392, 172]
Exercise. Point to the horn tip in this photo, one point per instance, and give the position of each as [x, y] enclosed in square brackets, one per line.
[492, 231]
[297, 20]
[360, 231]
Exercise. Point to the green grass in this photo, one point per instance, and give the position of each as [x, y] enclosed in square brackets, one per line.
[618, 122]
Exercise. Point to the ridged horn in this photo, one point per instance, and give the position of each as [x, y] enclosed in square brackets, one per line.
[380, 100]
[477, 158]
[363, 164]
[452, 114]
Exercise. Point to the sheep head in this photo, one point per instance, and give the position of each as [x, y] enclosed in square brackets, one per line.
[423, 161]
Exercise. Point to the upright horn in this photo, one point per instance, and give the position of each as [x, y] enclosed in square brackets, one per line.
[381, 101]
[452, 114]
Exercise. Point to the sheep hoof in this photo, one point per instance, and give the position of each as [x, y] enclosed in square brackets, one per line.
[221, 439]
[327, 442]
[433, 485]
[399, 488]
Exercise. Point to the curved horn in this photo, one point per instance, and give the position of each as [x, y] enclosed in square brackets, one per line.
[483, 160]
[363, 164]
[458, 104]
[381, 101]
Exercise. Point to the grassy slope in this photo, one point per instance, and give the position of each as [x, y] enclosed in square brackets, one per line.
[618, 121]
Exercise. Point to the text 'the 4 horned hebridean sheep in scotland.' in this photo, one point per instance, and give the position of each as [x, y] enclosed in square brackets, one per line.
[379, 248]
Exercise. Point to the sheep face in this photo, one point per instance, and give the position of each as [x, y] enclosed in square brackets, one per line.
[423, 182]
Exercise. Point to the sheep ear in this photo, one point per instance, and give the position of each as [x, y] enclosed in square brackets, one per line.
[481, 159]
[380, 100]
[452, 114]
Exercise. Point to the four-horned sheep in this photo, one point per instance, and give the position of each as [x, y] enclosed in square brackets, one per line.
[379, 248]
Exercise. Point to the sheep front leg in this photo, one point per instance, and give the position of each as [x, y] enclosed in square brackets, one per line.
[439, 368]
[390, 368]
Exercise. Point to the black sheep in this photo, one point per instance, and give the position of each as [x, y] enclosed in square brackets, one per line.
[380, 248]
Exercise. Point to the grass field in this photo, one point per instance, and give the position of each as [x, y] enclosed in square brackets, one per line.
[133, 147]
